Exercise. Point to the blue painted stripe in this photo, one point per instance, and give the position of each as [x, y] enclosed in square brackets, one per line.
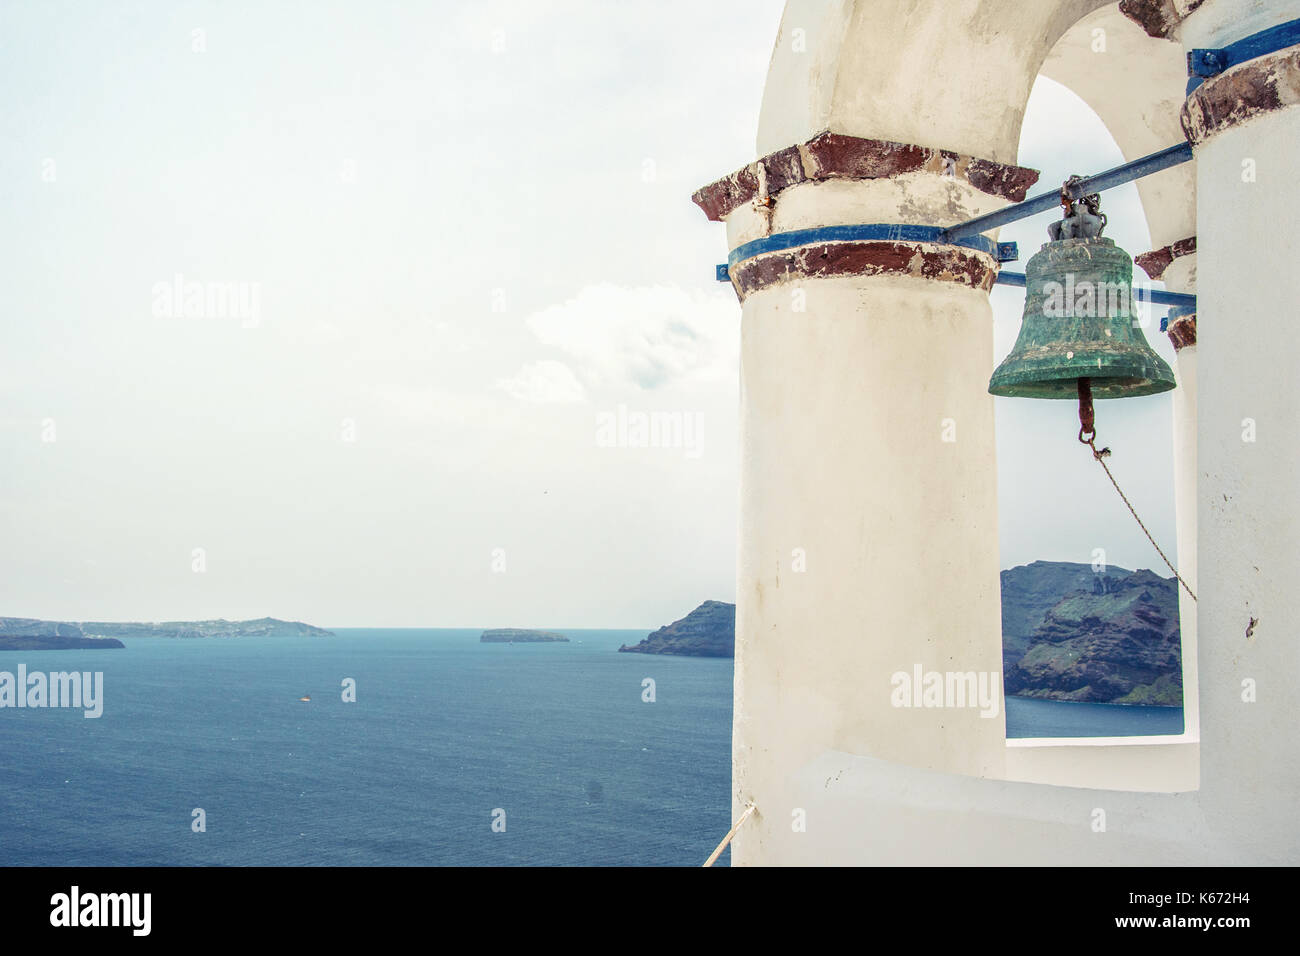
[872, 232]
[1202, 64]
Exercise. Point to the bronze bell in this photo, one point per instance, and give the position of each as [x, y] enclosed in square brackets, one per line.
[1079, 320]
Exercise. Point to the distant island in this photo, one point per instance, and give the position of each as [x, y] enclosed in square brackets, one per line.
[1068, 633]
[708, 631]
[518, 635]
[55, 642]
[261, 627]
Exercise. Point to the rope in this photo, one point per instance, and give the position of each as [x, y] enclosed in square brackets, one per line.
[1088, 436]
[1101, 460]
[731, 833]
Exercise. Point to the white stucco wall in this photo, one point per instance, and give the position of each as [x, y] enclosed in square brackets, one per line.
[1247, 490]
[823, 475]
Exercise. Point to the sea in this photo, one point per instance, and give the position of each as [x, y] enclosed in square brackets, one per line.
[454, 752]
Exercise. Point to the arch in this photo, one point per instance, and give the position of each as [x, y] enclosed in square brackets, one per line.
[1140, 107]
[1154, 69]
[954, 75]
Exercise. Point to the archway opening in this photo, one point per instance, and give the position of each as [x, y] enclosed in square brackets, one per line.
[1092, 638]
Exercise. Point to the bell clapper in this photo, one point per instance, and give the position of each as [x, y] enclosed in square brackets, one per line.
[1087, 417]
[1087, 428]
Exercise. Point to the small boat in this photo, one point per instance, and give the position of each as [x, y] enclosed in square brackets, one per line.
[304, 698]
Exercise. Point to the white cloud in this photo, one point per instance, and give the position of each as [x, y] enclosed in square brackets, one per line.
[650, 336]
[546, 382]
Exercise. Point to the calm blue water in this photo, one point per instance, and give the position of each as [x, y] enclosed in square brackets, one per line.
[1054, 718]
[444, 731]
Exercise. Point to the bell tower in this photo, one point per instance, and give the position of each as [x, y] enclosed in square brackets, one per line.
[867, 432]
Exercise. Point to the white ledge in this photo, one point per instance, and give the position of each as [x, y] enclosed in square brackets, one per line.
[1146, 741]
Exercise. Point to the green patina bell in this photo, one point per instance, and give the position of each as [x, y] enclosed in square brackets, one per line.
[1080, 319]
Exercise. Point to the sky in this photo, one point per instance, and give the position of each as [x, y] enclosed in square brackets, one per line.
[444, 253]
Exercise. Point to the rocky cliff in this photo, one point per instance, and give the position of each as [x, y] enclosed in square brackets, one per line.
[1031, 590]
[1116, 642]
[708, 631]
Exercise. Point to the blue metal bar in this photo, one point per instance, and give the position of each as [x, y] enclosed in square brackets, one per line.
[1173, 156]
[889, 232]
[1202, 64]
[1181, 300]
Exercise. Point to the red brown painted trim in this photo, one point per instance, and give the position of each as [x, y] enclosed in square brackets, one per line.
[1157, 17]
[1258, 86]
[837, 156]
[1182, 331]
[826, 260]
[1155, 263]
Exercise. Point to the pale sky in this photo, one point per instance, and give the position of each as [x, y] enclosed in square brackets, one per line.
[467, 233]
